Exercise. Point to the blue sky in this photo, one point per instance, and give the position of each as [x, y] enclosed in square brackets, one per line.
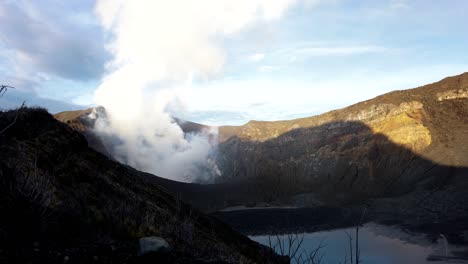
[318, 56]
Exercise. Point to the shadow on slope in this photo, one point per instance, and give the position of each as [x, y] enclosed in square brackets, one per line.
[61, 201]
[334, 167]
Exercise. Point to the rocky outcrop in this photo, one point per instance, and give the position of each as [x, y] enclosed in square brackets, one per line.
[453, 94]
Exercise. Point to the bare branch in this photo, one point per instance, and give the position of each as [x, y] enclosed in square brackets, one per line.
[14, 120]
[4, 88]
[291, 244]
[350, 238]
[299, 240]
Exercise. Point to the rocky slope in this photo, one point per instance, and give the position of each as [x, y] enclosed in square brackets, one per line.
[62, 202]
[404, 154]
[383, 146]
[429, 122]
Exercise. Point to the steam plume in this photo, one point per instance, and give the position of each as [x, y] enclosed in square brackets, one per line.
[157, 47]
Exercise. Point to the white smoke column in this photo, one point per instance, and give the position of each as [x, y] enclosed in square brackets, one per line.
[156, 46]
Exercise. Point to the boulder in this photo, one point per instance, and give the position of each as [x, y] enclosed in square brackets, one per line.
[153, 244]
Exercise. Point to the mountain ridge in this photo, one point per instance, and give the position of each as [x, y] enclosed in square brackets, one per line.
[444, 85]
[456, 77]
[388, 151]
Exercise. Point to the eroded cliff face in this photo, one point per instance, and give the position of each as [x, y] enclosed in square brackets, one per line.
[402, 124]
[386, 145]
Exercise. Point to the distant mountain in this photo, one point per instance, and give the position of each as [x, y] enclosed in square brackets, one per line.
[404, 153]
[385, 145]
[62, 202]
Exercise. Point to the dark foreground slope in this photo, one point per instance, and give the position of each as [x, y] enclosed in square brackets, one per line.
[61, 201]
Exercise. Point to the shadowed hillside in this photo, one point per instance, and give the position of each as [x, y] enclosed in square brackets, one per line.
[404, 153]
[397, 185]
[62, 201]
[359, 144]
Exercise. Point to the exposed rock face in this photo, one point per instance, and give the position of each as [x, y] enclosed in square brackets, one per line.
[401, 124]
[75, 119]
[453, 94]
[386, 145]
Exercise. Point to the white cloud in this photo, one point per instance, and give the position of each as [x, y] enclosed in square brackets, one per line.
[267, 68]
[292, 58]
[301, 51]
[256, 57]
[337, 51]
[399, 4]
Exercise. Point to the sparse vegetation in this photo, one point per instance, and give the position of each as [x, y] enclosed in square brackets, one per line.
[290, 245]
[356, 255]
[60, 197]
[25, 204]
[3, 90]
